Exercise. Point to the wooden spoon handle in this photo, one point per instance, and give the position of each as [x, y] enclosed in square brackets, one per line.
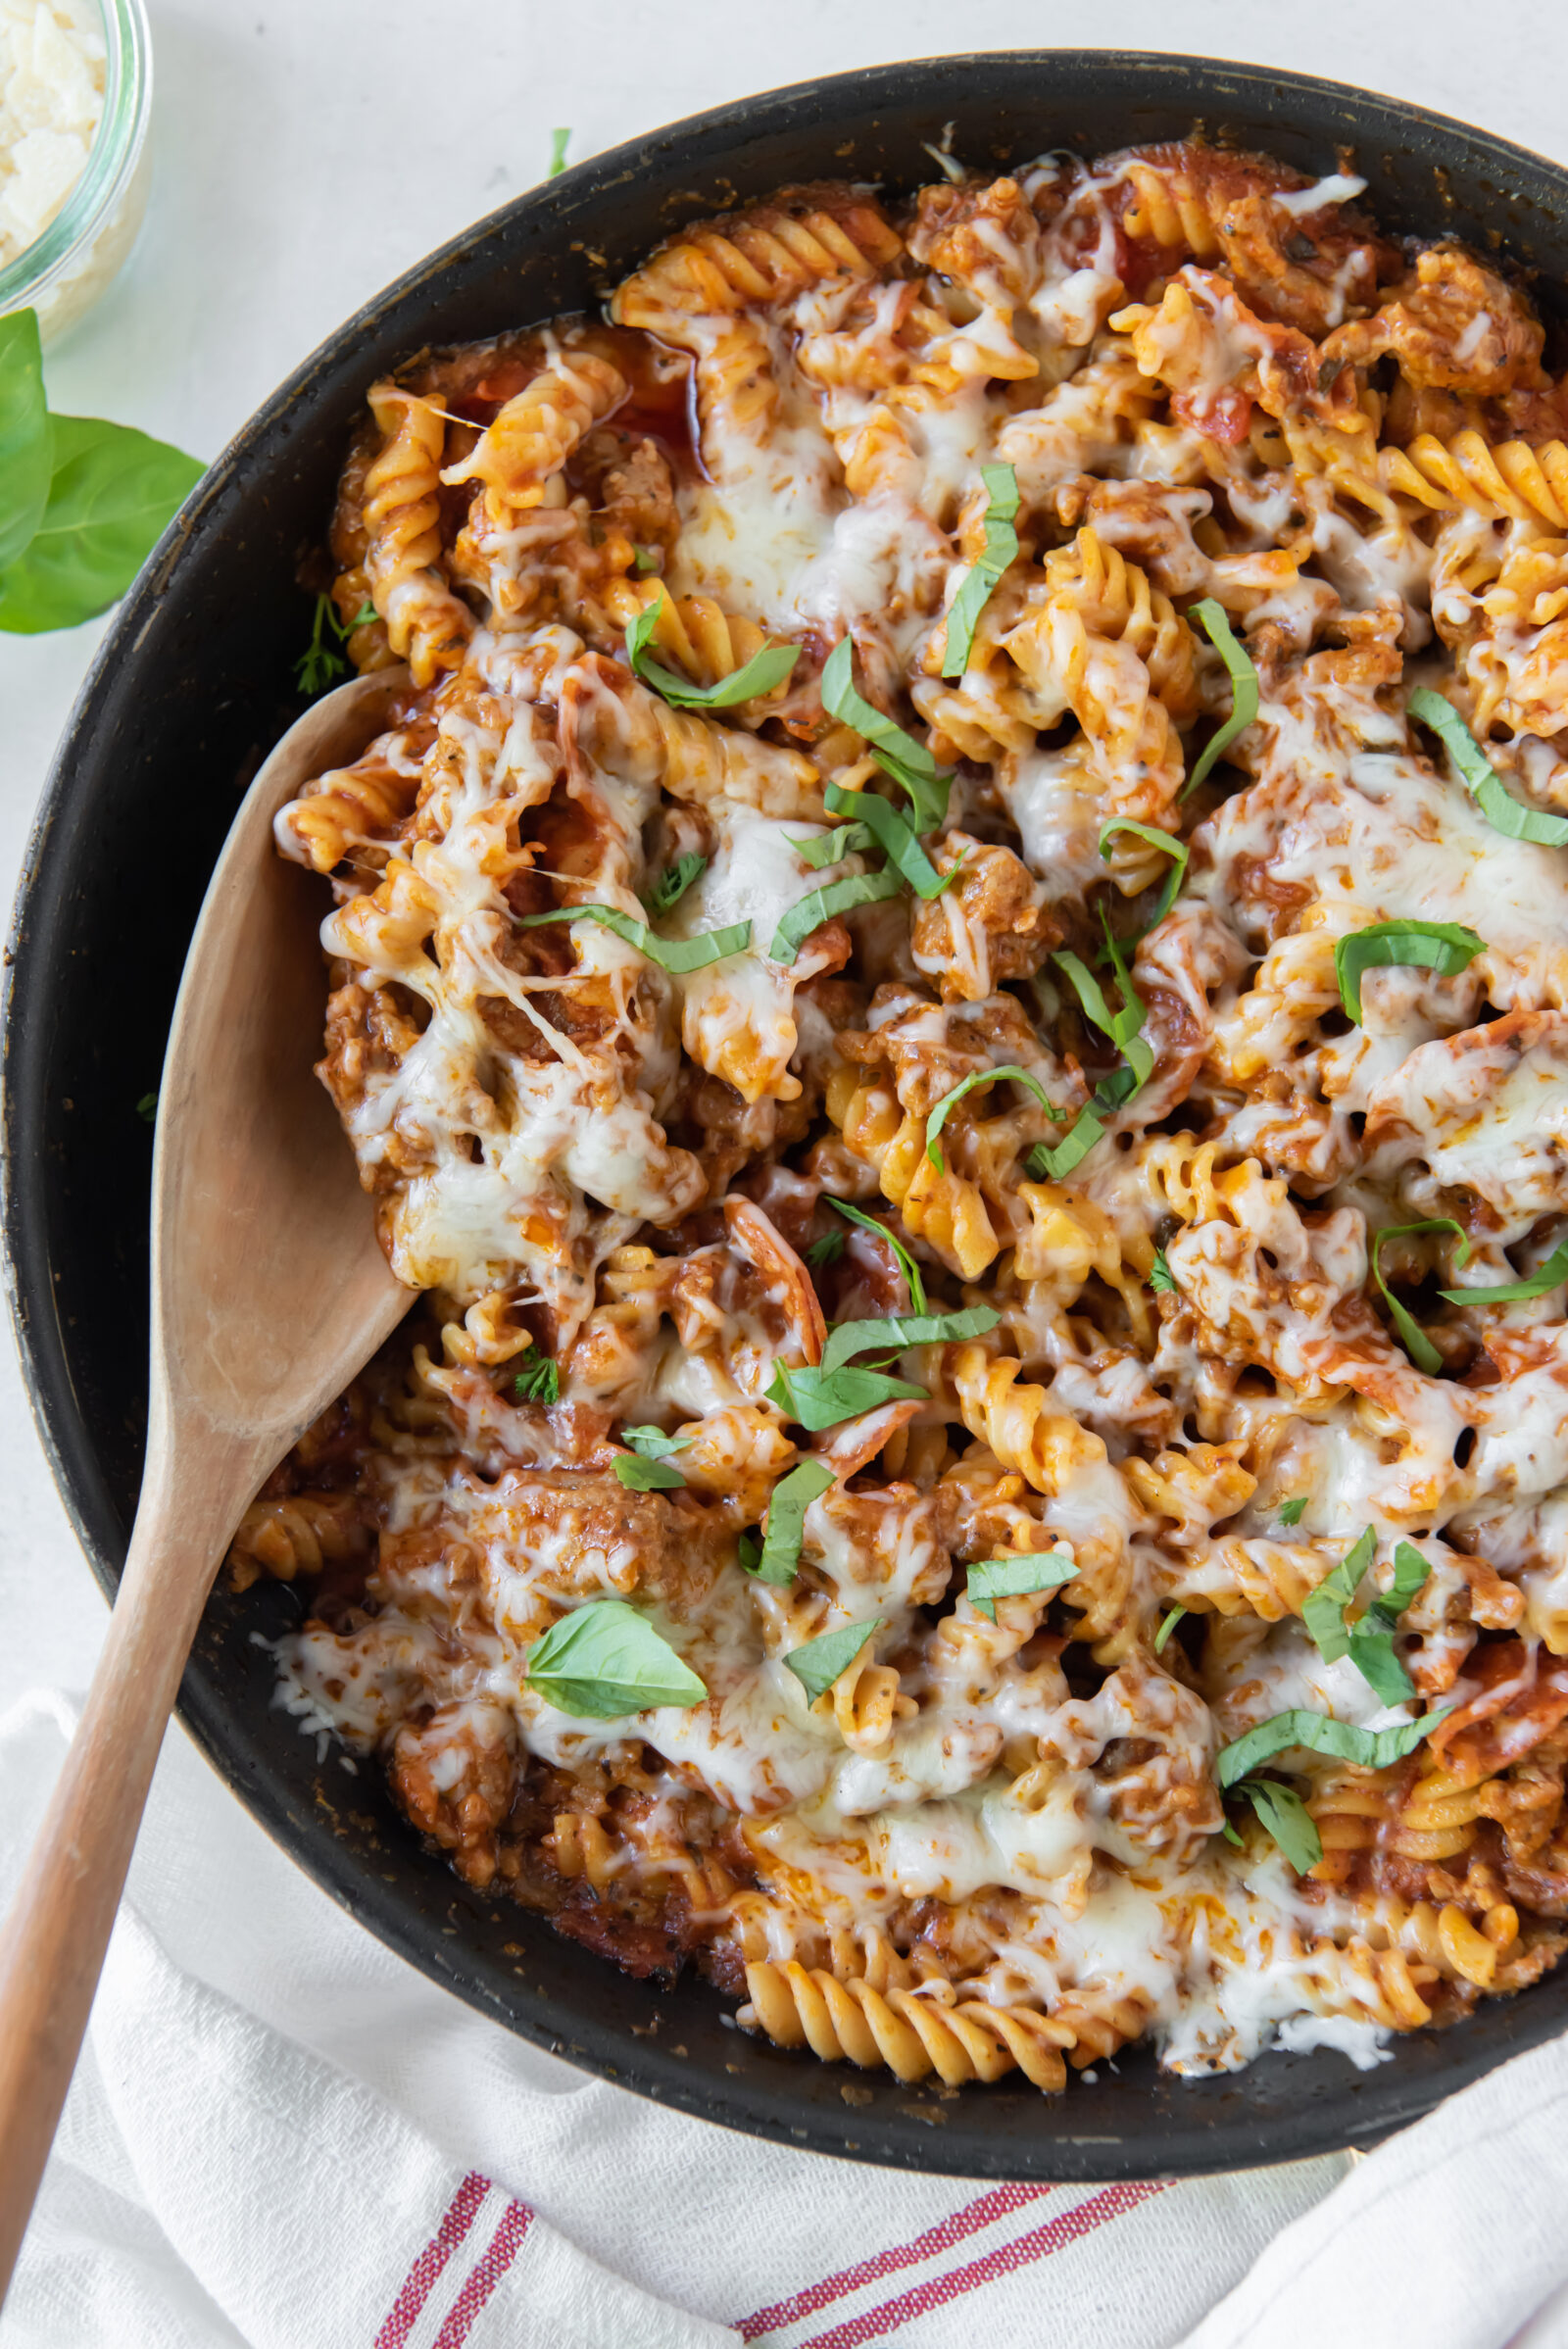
[52, 1949]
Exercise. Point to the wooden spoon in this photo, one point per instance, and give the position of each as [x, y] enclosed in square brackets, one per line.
[270, 1291]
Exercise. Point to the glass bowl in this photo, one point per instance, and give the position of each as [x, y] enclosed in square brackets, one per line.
[63, 271]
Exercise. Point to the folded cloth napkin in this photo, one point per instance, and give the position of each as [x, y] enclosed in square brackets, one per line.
[281, 2137]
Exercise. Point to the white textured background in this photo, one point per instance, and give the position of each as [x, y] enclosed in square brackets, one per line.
[307, 150]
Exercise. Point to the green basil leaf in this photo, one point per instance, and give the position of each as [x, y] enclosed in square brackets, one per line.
[827, 1250]
[780, 1554]
[679, 955]
[1212, 619]
[1502, 811]
[1160, 1276]
[749, 1551]
[983, 1076]
[1016, 1576]
[558, 153]
[894, 1332]
[1176, 850]
[1291, 1513]
[674, 881]
[1323, 1609]
[1410, 1571]
[1371, 1649]
[1287, 1819]
[147, 1108]
[898, 754]
[1168, 1627]
[1370, 1749]
[1001, 549]
[831, 848]
[1047, 1162]
[892, 835]
[536, 1379]
[764, 669]
[319, 664]
[652, 1443]
[1551, 1276]
[648, 1476]
[817, 1663]
[605, 1661]
[111, 493]
[1417, 1344]
[816, 1399]
[1441, 946]
[1230, 1834]
[643, 560]
[809, 913]
[906, 1263]
[25, 440]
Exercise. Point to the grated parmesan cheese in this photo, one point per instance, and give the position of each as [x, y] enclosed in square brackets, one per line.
[51, 97]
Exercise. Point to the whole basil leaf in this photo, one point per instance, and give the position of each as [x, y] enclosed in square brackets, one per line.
[24, 440]
[1017, 1577]
[605, 1661]
[1287, 1818]
[817, 1663]
[111, 493]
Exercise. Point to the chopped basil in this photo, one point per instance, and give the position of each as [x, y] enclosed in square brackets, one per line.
[679, 955]
[1168, 1627]
[809, 913]
[792, 1494]
[906, 1263]
[536, 1379]
[147, 1108]
[673, 882]
[1551, 1276]
[827, 1250]
[1417, 1344]
[831, 848]
[761, 673]
[1049, 1162]
[1016, 1576]
[1210, 616]
[1287, 1819]
[891, 1333]
[817, 1663]
[899, 754]
[813, 1398]
[1502, 811]
[1372, 1634]
[1173, 848]
[1160, 1276]
[891, 833]
[983, 1076]
[1291, 1513]
[1323, 1609]
[749, 1551]
[1441, 946]
[1123, 1027]
[558, 153]
[653, 1443]
[648, 1476]
[605, 1661]
[1001, 549]
[645, 560]
[1370, 1749]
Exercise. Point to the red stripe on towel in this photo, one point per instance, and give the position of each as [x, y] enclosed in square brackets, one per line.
[942, 2238]
[505, 2245]
[421, 2280]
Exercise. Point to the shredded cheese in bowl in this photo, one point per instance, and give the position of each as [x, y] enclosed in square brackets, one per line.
[52, 57]
[75, 92]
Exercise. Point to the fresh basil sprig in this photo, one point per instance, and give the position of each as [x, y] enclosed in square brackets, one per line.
[679, 955]
[1016, 1576]
[1291, 1513]
[651, 1470]
[536, 1378]
[1286, 1817]
[1502, 811]
[838, 1389]
[319, 664]
[605, 1661]
[1166, 1628]
[673, 882]
[818, 905]
[983, 1076]
[1444, 947]
[1160, 1276]
[893, 835]
[1212, 619]
[817, 1663]
[899, 754]
[764, 669]
[1344, 1740]
[110, 492]
[1417, 1344]
[1001, 549]
[905, 1263]
[1176, 850]
[780, 1554]
[558, 153]
[896, 1331]
[1551, 1275]
[1369, 1639]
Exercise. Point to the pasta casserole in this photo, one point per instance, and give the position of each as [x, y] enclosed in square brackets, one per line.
[951, 979]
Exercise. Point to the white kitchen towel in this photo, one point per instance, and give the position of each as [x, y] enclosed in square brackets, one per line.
[281, 2137]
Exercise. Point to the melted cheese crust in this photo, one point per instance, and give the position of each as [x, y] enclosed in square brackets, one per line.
[994, 1841]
